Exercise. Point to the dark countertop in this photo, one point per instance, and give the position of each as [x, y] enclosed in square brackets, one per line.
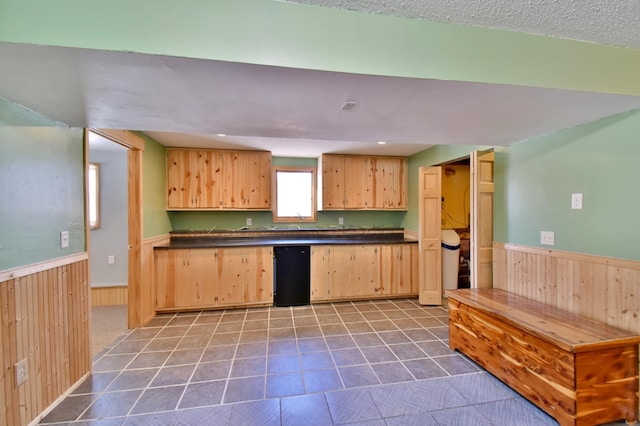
[195, 239]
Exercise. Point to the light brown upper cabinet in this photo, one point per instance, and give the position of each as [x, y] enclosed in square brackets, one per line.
[363, 182]
[216, 179]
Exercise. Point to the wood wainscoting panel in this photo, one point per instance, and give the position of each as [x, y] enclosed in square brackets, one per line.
[45, 321]
[601, 288]
[113, 295]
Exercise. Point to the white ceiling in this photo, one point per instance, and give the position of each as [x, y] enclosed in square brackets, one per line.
[613, 22]
[186, 102]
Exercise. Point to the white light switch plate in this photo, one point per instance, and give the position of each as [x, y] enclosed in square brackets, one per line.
[547, 238]
[64, 239]
[249, 221]
[576, 201]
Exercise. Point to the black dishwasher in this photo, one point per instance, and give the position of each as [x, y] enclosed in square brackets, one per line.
[292, 275]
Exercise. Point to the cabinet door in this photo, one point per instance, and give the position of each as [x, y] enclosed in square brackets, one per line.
[244, 276]
[191, 179]
[399, 270]
[358, 182]
[245, 179]
[364, 271]
[185, 278]
[182, 179]
[344, 272]
[321, 273]
[390, 183]
[333, 183]
[164, 267]
[208, 179]
[254, 178]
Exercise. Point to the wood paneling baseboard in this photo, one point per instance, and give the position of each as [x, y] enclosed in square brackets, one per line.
[602, 288]
[45, 321]
[114, 295]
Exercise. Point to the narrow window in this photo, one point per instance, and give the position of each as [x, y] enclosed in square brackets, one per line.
[295, 194]
[94, 195]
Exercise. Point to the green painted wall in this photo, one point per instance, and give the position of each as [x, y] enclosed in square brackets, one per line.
[205, 220]
[154, 183]
[535, 180]
[41, 187]
[310, 37]
[183, 221]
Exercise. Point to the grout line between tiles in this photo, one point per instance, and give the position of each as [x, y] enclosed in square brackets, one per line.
[385, 308]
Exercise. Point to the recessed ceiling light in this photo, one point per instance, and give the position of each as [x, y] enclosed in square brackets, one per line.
[220, 134]
[381, 142]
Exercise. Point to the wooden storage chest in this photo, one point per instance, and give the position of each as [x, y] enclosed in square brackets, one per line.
[580, 371]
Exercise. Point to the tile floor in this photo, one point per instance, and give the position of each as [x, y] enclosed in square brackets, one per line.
[369, 363]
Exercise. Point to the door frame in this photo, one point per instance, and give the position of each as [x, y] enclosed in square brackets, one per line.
[431, 278]
[135, 150]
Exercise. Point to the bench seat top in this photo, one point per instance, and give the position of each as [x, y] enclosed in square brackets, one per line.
[568, 331]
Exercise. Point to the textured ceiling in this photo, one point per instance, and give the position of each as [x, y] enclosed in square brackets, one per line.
[613, 22]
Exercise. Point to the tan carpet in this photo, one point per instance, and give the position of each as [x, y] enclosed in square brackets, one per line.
[107, 324]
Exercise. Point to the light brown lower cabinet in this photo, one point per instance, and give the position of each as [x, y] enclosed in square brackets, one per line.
[213, 277]
[348, 272]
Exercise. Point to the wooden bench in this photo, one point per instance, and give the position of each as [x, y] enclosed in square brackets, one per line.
[580, 371]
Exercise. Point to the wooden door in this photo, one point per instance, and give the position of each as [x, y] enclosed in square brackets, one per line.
[397, 270]
[178, 179]
[256, 190]
[164, 286]
[184, 278]
[390, 183]
[201, 177]
[229, 196]
[259, 267]
[358, 182]
[191, 179]
[342, 277]
[430, 261]
[230, 275]
[365, 271]
[210, 182]
[333, 182]
[244, 276]
[321, 273]
[482, 188]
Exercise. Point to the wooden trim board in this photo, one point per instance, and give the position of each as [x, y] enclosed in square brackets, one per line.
[23, 271]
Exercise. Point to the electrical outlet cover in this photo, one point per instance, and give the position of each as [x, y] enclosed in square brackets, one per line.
[21, 372]
[576, 201]
[547, 238]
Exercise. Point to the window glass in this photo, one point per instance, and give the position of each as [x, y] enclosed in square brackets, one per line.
[295, 195]
[94, 195]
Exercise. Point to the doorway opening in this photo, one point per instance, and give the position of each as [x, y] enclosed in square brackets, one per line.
[476, 222]
[108, 240]
[456, 217]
